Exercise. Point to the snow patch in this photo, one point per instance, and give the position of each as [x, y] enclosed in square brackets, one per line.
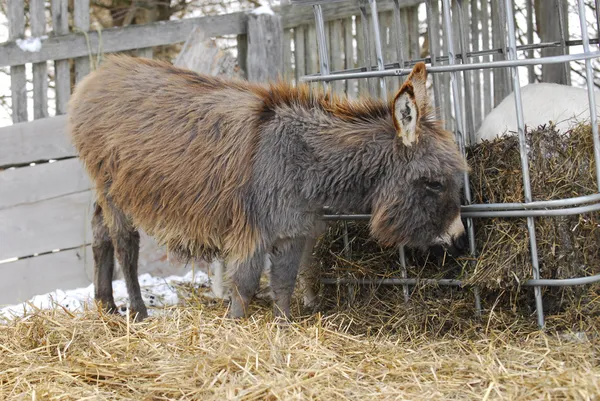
[157, 292]
[265, 9]
[31, 44]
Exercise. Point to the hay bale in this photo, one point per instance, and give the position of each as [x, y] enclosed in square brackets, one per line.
[561, 166]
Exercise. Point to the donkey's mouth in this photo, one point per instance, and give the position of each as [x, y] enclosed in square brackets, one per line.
[457, 247]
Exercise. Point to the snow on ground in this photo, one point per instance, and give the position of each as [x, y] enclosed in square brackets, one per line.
[157, 292]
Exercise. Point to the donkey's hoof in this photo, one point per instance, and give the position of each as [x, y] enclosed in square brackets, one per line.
[138, 316]
[107, 306]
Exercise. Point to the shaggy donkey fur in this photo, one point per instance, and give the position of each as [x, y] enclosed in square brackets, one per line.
[214, 167]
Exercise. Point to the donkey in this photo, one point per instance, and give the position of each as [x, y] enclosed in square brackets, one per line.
[226, 168]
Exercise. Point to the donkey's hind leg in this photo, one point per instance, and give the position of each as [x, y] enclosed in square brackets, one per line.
[104, 261]
[126, 240]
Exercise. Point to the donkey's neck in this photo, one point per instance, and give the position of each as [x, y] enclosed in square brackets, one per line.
[351, 159]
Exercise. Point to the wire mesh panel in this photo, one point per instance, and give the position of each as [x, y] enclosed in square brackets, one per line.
[474, 64]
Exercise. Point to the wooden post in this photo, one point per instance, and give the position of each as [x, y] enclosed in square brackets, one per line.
[40, 70]
[549, 26]
[242, 53]
[18, 82]
[265, 47]
[60, 24]
[81, 18]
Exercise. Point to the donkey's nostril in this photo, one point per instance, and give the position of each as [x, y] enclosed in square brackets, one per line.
[462, 242]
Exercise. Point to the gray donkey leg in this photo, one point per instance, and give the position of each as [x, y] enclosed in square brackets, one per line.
[104, 261]
[244, 281]
[285, 259]
[308, 275]
[126, 240]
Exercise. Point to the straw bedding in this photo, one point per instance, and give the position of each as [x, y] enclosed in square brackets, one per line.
[377, 347]
[561, 166]
[381, 350]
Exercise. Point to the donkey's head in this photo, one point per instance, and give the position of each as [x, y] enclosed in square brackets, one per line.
[417, 203]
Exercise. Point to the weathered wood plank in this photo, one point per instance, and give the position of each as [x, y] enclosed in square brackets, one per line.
[74, 268]
[44, 181]
[41, 139]
[81, 18]
[200, 53]
[288, 72]
[501, 80]
[312, 55]
[146, 52]
[40, 70]
[412, 14]
[121, 39]
[361, 56]
[62, 74]
[299, 52]
[296, 15]
[351, 84]
[336, 52]
[166, 32]
[25, 278]
[265, 47]
[57, 223]
[18, 82]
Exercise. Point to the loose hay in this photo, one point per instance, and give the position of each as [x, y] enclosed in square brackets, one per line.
[561, 166]
[382, 351]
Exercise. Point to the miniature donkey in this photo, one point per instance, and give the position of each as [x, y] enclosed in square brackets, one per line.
[226, 168]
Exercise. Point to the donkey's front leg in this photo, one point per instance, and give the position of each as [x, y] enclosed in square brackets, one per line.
[244, 279]
[285, 259]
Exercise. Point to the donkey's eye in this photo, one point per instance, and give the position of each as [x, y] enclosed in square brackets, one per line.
[434, 186]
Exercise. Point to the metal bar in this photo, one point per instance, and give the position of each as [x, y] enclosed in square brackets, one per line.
[433, 30]
[321, 43]
[579, 200]
[489, 214]
[460, 131]
[474, 54]
[400, 40]
[463, 21]
[535, 213]
[404, 273]
[485, 39]
[457, 67]
[564, 282]
[512, 55]
[589, 75]
[351, 288]
[378, 50]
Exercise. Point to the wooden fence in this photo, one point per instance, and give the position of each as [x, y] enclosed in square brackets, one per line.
[47, 207]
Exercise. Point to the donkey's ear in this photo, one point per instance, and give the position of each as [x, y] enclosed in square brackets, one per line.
[410, 104]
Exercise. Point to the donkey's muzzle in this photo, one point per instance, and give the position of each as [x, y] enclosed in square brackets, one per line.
[459, 245]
